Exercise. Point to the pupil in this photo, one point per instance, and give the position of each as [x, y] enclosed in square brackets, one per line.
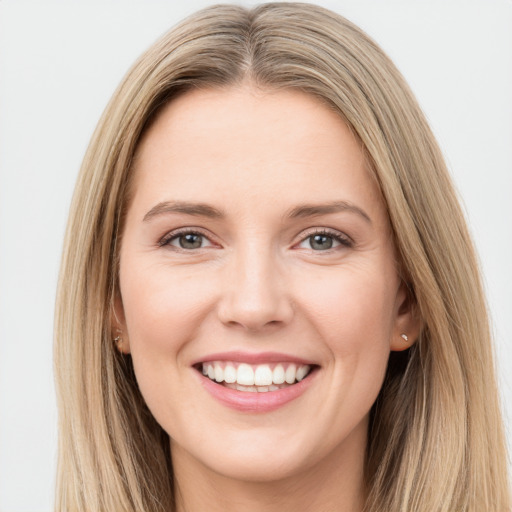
[191, 241]
[321, 242]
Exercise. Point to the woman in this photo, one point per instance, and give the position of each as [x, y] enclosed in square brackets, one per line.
[269, 299]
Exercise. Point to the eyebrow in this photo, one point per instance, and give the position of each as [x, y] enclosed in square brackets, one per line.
[314, 210]
[196, 209]
[206, 210]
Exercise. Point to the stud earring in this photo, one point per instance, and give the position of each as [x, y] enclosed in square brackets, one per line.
[118, 340]
[404, 337]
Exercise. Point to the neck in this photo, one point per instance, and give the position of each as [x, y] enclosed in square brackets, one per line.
[334, 483]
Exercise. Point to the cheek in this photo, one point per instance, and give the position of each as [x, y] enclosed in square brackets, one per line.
[163, 310]
[353, 313]
[163, 307]
[353, 309]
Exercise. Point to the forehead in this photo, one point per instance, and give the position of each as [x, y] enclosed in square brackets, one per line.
[259, 145]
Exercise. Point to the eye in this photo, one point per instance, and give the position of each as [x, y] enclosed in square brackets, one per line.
[324, 240]
[187, 240]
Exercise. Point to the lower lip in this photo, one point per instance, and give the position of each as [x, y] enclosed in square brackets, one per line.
[255, 402]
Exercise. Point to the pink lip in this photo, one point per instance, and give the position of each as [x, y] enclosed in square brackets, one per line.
[247, 357]
[256, 402]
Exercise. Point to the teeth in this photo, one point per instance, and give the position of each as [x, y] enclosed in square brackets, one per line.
[289, 375]
[263, 375]
[229, 374]
[302, 371]
[245, 375]
[255, 378]
[251, 389]
[278, 375]
[219, 373]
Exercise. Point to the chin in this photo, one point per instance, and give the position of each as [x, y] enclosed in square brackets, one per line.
[258, 466]
[265, 454]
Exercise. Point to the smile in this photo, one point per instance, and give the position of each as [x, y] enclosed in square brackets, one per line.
[251, 383]
[259, 378]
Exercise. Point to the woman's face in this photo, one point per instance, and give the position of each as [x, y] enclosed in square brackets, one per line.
[257, 246]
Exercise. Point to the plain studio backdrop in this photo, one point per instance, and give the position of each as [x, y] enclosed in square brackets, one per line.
[60, 61]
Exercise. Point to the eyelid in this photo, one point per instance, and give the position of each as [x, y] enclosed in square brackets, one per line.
[163, 241]
[343, 239]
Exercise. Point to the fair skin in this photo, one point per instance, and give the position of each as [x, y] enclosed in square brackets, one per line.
[263, 278]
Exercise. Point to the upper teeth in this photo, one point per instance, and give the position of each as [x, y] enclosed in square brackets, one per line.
[255, 375]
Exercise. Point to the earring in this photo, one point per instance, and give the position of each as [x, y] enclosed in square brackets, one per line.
[404, 337]
[118, 340]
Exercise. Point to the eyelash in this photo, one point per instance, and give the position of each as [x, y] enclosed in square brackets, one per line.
[166, 239]
[341, 238]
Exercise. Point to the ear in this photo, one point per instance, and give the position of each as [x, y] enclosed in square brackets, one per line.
[407, 324]
[118, 328]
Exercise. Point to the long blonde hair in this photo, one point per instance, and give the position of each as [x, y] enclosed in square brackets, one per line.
[435, 442]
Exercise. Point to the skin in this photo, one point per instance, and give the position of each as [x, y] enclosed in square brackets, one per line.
[256, 285]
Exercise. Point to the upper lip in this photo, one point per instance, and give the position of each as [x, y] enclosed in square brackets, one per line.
[253, 358]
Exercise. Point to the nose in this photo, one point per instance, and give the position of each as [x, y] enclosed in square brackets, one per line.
[254, 292]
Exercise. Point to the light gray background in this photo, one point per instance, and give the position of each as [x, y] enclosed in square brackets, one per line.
[60, 62]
